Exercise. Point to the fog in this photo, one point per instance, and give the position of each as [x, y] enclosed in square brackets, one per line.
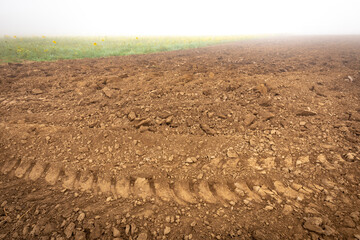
[185, 17]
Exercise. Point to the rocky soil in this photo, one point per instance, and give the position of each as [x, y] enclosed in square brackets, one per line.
[251, 140]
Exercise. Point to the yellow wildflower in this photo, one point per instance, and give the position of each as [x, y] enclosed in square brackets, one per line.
[54, 42]
[95, 43]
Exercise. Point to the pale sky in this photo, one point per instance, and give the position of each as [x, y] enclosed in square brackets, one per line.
[178, 17]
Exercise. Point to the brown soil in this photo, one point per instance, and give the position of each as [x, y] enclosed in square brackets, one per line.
[251, 140]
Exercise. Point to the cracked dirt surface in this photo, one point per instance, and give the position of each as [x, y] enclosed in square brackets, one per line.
[251, 140]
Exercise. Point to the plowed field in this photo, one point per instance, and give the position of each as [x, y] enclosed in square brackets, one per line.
[257, 139]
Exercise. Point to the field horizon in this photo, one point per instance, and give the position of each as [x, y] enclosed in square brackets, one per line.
[51, 48]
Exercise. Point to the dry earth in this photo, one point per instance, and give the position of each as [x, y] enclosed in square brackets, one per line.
[251, 140]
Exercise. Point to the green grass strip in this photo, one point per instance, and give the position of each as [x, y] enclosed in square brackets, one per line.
[18, 49]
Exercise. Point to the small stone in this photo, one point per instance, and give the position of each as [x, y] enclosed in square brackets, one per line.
[25, 230]
[81, 217]
[329, 231]
[265, 101]
[305, 113]
[49, 228]
[116, 232]
[127, 229]
[143, 129]
[80, 235]
[131, 116]
[3, 203]
[146, 122]
[267, 115]
[313, 224]
[321, 159]
[318, 91]
[193, 224]
[35, 231]
[169, 119]
[206, 128]
[327, 146]
[259, 235]
[96, 232]
[287, 209]
[302, 160]
[348, 222]
[350, 157]
[132, 228]
[302, 123]
[310, 210]
[36, 91]
[355, 216]
[142, 236]
[357, 236]
[288, 161]
[262, 89]
[191, 160]
[167, 230]
[69, 230]
[110, 93]
[268, 208]
[15, 235]
[139, 152]
[253, 142]
[249, 119]
[167, 219]
[350, 78]
[231, 153]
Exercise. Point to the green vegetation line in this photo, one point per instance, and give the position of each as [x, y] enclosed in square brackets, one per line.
[17, 49]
